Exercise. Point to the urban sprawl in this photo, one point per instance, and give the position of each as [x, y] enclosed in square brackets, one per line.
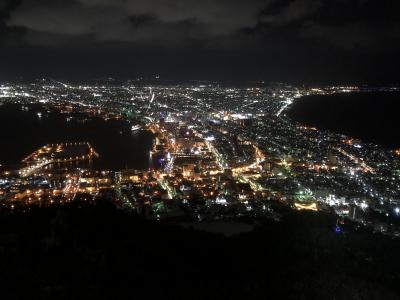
[219, 153]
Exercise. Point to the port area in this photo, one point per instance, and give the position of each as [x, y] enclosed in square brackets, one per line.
[56, 153]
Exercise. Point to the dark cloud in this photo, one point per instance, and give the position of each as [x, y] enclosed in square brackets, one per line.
[285, 12]
[277, 39]
[108, 20]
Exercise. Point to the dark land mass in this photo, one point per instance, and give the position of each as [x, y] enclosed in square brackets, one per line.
[99, 252]
[371, 117]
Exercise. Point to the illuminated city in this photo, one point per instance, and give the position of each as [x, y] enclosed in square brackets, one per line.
[218, 153]
[215, 149]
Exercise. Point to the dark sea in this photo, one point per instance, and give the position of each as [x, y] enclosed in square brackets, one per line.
[372, 117]
[25, 129]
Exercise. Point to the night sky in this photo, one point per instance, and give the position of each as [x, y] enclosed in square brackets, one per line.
[299, 41]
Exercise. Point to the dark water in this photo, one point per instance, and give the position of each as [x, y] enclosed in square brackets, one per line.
[371, 117]
[22, 132]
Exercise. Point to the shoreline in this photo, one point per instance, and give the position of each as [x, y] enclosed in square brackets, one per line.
[366, 116]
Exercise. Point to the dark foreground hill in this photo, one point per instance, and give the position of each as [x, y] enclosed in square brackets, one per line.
[102, 253]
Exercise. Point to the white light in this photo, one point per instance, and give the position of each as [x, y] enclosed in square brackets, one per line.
[220, 200]
[210, 138]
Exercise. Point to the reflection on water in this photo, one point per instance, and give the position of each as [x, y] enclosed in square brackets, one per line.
[25, 130]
